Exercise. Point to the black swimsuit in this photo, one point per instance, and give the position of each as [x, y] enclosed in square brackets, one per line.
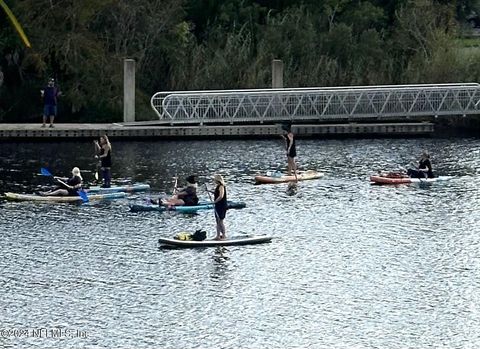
[426, 164]
[75, 180]
[221, 206]
[293, 151]
[189, 196]
[107, 160]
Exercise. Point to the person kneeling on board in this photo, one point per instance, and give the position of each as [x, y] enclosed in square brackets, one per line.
[424, 168]
[186, 196]
[68, 188]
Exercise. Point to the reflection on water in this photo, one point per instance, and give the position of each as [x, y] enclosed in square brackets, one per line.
[351, 264]
[291, 188]
[220, 257]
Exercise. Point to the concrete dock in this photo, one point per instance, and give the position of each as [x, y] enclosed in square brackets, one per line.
[148, 130]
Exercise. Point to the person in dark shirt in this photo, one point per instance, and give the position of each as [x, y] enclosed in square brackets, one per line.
[186, 196]
[291, 149]
[221, 206]
[103, 150]
[68, 188]
[424, 168]
[49, 95]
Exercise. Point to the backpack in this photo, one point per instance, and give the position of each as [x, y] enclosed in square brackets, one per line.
[199, 235]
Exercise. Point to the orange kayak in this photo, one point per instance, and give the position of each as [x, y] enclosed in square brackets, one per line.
[386, 179]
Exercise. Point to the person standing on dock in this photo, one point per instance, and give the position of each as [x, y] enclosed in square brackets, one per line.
[49, 95]
[104, 151]
[291, 149]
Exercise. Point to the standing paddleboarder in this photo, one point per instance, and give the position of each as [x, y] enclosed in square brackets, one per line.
[220, 202]
[104, 154]
[291, 149]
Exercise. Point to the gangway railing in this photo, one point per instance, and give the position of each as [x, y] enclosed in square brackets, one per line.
[316, 104]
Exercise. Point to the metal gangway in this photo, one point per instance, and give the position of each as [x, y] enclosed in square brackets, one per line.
[316, 104]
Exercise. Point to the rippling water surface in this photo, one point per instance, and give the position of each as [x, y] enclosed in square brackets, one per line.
[351, 265]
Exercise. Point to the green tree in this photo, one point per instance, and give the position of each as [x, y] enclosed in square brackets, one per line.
[222, 44]
[83, 45]
[15, 23]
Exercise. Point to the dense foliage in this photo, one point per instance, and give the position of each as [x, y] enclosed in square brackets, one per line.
[222, 44]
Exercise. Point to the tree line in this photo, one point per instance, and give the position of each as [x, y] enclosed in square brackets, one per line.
[221, 44]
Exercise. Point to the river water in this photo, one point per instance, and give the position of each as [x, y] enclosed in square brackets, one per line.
[351, 265]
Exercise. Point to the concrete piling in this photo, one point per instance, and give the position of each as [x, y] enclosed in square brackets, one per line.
[129, 90]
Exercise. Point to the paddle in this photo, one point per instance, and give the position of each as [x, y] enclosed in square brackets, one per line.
[163, 196]
[211, 200]
[99, 163]
[45, 172]
[80, 192]
[175, 185]
[83, 195]
[209, 196]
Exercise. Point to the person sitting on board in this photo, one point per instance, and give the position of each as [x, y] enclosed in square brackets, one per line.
[291, 149]
[68, 188]
[221, 206]
[424, 168]
[184, 196]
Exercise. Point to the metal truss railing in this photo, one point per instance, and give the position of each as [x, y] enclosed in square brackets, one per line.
[316, 104]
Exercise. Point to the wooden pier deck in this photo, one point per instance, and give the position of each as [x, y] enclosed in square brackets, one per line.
[148, 130]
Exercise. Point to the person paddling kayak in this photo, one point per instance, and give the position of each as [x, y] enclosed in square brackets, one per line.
[291, 149]
[424, 167]
[68, 188]
[186, 196]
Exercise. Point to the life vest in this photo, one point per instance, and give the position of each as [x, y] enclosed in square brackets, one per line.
[183, 236]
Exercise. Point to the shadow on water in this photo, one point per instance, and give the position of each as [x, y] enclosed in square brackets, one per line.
[221, 265]
[220, 255]
[292, 189]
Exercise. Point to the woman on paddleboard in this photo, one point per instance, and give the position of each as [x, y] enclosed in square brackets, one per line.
[104, 154]
[68, 188]
[291, 149]
[186, 196]
[424, 168]
[220, 202]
